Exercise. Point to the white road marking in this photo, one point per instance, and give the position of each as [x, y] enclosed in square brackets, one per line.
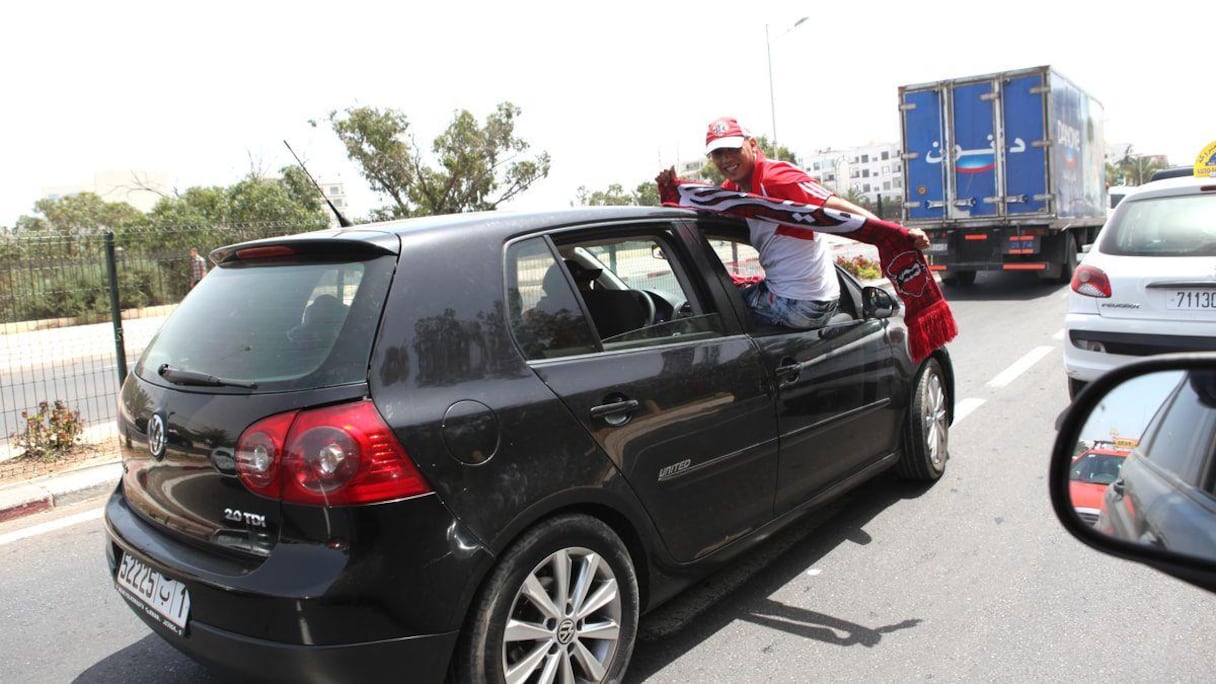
[964, 407]
[43, 528]
[1059, 334]
[1020, 366]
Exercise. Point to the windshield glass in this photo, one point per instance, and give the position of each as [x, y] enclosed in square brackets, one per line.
[1163, 226]
[1096, 468]
[280, 325]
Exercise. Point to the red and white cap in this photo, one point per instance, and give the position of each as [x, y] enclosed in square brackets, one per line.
[725, 132]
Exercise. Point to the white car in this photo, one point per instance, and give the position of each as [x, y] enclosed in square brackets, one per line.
[1148, 284]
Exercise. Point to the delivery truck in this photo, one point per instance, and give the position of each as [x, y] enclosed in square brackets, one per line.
[1004, 171]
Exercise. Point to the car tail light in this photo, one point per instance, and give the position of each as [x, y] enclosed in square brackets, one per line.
[1090, 282]
[335, 456]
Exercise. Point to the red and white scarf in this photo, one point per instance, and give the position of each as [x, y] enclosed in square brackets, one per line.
[926, 313]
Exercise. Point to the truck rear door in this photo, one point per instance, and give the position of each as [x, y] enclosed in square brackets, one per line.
[925, 160]
[1025, 117]
[975, 138]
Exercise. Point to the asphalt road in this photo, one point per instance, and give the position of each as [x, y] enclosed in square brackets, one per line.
[969, 580]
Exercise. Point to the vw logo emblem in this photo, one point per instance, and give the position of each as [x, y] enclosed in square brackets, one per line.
[156, 437]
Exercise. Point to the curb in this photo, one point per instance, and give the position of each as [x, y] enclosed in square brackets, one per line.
[59, 489]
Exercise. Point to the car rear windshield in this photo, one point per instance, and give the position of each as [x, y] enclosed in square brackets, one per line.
[279, 325]
[1163, 226]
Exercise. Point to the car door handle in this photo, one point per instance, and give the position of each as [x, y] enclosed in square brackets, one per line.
[613, 408]
[788, 371]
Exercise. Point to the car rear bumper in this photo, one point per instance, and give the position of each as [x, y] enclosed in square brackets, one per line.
[1126, 340]
[422, 658]
[391, 602]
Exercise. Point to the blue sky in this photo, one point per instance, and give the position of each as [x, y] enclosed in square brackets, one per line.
[1128, 407]
[613, 91]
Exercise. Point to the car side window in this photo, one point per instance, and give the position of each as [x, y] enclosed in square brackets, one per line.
[544, 311]
[1181, 441]
[637, 288]
[741, 260]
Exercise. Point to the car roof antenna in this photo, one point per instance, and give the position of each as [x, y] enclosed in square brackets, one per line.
[342, 221]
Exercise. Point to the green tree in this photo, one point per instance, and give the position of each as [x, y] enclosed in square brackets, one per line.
[477, 167]
[644, 195]
[647, 194]
[83, 213]
[1133, 168]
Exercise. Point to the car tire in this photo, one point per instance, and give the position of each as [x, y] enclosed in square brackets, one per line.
[927, 428]
[1074, 387]
[550, 632]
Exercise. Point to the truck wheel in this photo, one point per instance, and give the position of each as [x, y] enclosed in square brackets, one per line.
[561, 603]
[927, 431]
[1069, 262]
[959, 278]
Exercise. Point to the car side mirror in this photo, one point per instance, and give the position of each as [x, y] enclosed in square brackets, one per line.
[878, 303]
[1133, 471]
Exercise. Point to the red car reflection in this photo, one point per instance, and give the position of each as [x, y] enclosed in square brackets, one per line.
[1091, 473]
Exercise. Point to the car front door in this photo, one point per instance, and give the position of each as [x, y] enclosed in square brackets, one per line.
[672, 393]
[834, 387]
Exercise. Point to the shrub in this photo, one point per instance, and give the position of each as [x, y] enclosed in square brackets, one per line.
[50, 433]
[861, 267]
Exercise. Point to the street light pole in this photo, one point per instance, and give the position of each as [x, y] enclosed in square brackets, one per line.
[772, 106]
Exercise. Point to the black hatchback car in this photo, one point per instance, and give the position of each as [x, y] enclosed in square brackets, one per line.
[478, 447]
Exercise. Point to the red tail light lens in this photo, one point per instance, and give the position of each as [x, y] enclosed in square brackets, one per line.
[336, 456]
[1090, 282]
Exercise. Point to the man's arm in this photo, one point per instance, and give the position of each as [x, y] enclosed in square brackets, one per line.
[841, 204]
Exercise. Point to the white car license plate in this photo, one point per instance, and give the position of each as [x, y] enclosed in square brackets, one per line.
[157, 595]
[1191, 300]
[938, 247]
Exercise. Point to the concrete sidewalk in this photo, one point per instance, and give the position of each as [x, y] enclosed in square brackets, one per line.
[58, 489]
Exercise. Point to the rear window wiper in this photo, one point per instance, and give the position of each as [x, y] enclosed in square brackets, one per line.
[178, 376]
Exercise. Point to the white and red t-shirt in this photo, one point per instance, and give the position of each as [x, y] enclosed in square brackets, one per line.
[796, 263]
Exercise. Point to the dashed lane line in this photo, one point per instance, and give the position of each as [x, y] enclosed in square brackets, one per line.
[964, 407]
[1020, 366]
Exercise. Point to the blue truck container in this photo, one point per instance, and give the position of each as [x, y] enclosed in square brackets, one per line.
[1003, 171]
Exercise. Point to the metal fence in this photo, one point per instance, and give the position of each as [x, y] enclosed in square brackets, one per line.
[77, 310]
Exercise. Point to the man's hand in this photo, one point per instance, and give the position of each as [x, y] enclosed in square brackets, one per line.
[666, 177]
[921, 240]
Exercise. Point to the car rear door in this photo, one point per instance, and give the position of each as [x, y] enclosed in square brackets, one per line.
[678, 405]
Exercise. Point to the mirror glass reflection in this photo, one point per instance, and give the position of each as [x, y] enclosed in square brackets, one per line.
[1144, 469]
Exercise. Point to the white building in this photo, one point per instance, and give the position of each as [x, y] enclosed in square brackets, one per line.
[140, 189]
[870, 170]
[335, 192]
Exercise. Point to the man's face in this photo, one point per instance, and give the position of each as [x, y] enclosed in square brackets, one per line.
[736, 163]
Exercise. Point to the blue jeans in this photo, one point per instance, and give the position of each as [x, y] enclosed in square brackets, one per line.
[800, 314]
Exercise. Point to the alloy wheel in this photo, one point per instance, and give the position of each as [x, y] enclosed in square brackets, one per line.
[564, 623]
[936, 419]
